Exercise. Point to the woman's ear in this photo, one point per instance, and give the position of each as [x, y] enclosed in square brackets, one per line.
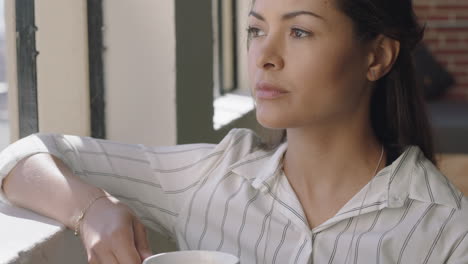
[383, 54]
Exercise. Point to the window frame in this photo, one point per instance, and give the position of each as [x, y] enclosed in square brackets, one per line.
[26, 56]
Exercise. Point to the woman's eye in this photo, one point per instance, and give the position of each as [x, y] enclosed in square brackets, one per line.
[299, 33]
[254, 32]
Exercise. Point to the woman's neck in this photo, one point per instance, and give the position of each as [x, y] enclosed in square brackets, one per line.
[323, 159]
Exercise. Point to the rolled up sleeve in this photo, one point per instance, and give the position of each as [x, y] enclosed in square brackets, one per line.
[154, 181]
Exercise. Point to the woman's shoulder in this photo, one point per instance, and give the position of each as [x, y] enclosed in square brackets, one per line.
[239, 142]
[445, 187]
[241, 147]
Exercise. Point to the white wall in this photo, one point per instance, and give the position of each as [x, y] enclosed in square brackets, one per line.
[10, 34]
[139, 61]
[62, 66]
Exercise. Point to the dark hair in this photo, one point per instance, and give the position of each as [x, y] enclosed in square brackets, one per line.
[398, 110]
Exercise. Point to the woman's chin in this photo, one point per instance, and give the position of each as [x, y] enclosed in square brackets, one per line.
[271, 121]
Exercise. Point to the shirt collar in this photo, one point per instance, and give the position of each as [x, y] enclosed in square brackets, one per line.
[414, 176]
[410, 175]
[261, 167]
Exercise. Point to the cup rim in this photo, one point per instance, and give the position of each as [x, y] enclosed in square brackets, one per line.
[219, 253]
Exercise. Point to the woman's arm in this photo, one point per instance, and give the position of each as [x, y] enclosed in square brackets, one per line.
[137, 175]
[44, 184]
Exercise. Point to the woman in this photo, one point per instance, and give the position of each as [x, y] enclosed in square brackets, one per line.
[353, 181]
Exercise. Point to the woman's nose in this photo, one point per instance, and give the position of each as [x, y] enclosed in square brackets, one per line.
[270, 57]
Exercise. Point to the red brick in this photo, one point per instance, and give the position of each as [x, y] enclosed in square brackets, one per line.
[449, 29]
[424, 15]
[429, 33]
[433, 42]
[447, 38]
[461, 63]
[441, 7]
[459, 74]
[444, 52]
[444, 17]
[458, 40]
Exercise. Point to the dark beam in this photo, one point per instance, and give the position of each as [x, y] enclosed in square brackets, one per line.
[96, 68]
[26, 67]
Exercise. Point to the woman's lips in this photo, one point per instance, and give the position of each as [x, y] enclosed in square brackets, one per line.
[268, 91]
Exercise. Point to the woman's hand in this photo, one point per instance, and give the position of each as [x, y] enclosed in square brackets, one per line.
[112, 234]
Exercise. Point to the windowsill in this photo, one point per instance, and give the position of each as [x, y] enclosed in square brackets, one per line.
[230, 107]
[27, 237]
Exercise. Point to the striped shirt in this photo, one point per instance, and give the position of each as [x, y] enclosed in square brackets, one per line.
[234, 197]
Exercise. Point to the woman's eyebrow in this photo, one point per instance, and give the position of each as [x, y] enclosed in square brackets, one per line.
[288, 15]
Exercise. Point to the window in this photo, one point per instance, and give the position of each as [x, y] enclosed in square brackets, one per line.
[231, 89]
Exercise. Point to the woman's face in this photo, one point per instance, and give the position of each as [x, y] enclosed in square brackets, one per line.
[305, 65]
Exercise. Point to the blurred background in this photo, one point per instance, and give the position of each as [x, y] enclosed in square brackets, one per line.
[172, 72]
[442, 64]
[447, 38]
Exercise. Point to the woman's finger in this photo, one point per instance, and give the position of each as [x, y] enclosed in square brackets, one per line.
[141, 240]
[92, 258]
[108, 258]
[124, 247]
[101, 258]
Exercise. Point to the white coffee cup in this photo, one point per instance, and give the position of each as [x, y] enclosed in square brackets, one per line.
[192, 257]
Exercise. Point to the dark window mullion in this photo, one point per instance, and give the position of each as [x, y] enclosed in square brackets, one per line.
[26, 67]
[96, 68]
[234, 46]
[220, 48]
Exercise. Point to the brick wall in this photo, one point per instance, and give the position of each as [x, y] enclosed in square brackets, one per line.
[447, 37]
